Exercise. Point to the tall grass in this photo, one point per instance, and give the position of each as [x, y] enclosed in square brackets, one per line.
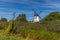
[34, 31]
[29, 34]
[10, 37]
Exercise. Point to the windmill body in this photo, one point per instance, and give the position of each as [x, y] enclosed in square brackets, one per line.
[36, 17]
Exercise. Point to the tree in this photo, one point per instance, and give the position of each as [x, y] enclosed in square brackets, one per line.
[3, 23]
[52, 16]
[21, 17]
[3, 20]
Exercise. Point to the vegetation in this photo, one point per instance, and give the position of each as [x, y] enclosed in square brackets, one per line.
[20, 29]
[22, 18]
[53, 16]
[3, 23]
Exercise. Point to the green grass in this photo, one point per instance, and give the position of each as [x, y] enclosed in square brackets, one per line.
[10, 37]
[32, 35]
[34, 31]
[42, 35]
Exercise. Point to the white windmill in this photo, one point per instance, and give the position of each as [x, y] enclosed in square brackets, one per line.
[36, 16]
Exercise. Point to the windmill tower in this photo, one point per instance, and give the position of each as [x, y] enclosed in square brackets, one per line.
[36, 16]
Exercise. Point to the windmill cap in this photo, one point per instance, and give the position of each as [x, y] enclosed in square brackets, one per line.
[35, 14]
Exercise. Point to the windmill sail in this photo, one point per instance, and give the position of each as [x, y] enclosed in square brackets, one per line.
[39, 14]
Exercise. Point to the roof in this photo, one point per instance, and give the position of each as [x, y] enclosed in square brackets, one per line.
[35, 14]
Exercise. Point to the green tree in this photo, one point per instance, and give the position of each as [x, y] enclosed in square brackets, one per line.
[3, 20]
[21, 17]
[3, 23]
[52, 16]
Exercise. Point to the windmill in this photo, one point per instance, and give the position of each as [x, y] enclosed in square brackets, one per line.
[36, 16]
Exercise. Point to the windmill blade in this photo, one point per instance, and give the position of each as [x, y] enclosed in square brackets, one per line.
[39, 17]
[34, 11]
[40, 12]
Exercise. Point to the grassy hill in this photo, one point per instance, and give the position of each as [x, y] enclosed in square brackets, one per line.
[47, 29]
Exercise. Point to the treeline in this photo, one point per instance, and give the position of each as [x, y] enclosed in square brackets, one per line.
[52, 16]
[51, 22]
[20, 17]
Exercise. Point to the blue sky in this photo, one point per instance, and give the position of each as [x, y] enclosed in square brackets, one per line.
[7, 7]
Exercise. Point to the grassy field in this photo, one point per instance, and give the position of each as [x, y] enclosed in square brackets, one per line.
[34, 31]
[31, 35]
[4, 37]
